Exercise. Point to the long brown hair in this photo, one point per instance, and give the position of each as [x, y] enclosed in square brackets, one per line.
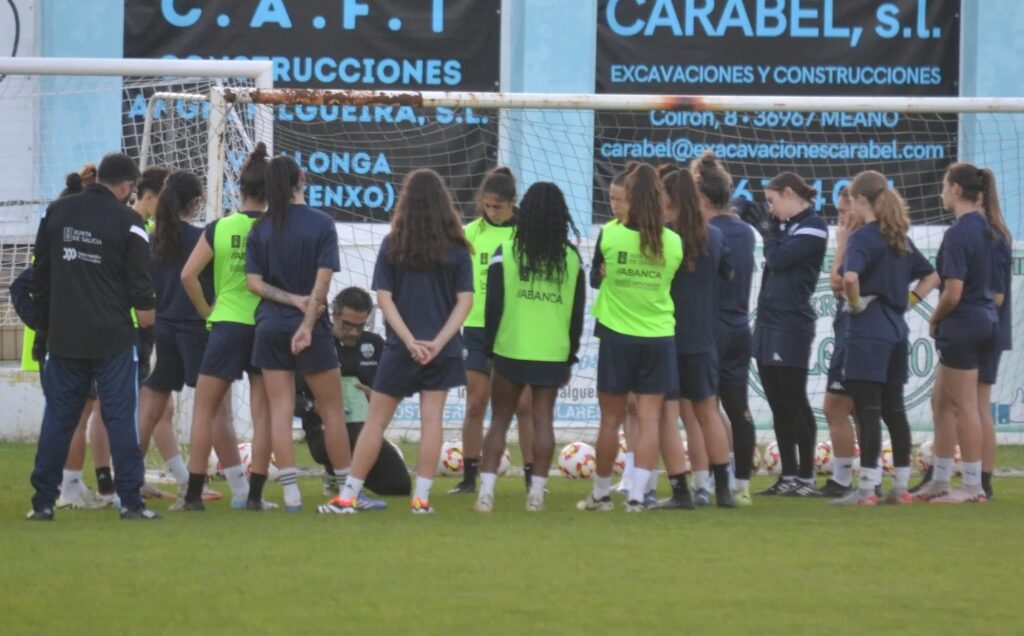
[180, 191]
[794, 182]
[252, 179]
[425, 224]
[501, 183]
[712, 180]
[283, 177]
[977, 181]
[645, 195]
[889, 207]
[689, 222]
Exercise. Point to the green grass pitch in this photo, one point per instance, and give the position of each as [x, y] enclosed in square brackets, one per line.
[781, 567]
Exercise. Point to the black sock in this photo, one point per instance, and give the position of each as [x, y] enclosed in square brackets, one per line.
[195, 488]
[986, 481]
[528, 474]
[104, 481]
[256, 482]
[680, 489]
[472, 467]
[721, 473]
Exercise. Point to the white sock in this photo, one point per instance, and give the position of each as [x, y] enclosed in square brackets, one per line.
[842, 471]
[350, 491]
[238, 481]
[602, 486]
[292, 496]
[423, 488]
[537, 485]
[732, 471]
[652, 482]
[701, 479]
[972, 474]
[742, 485]
[627, 472]
[487, 483]
[901, 477]
[636, 489]
[869, 478]
[72, 483]
[943, 469]
[178, 468]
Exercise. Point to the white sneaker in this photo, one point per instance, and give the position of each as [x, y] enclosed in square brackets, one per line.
[534, 503]
[932, 490]
[83, 499]
[963, 494]
[484, 503]
[604, 504]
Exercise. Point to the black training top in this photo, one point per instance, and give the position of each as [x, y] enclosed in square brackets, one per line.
[173, 306]
[361, 361]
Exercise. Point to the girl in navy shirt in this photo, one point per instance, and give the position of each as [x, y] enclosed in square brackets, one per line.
[291, 255]
[879, 265]
[424, 284]
[964, 326]
[795, 238]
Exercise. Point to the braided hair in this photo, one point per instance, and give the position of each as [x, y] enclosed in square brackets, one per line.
[542, 232]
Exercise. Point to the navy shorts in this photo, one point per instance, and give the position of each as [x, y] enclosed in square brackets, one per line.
[179, 354]
[782, 348]
[835, 368]
[272, 351]
[962, 347]
[533, 373]
[873, 360]
[398, 375]
[643, 366]
[734, 345]
[229, 351]
[698, 375]
[474, 355]
[988, 366]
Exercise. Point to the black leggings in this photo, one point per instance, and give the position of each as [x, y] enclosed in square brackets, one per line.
[389, 475]
[734, 401]
[786, 391]
[874, 401]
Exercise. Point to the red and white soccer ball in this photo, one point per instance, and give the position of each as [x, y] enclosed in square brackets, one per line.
[506, 463]
[958, 462]
[888, 467]
[756, 462]
[772, 459]
[620, 458]
[245, 454]
[451, 461]
[823, 458]
[923, 457]
[577, 461]
[688, 468]
[856, 458]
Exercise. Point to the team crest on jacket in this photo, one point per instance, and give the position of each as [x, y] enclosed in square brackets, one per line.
[366, 349]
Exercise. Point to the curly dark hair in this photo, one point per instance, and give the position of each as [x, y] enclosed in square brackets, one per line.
[542, 232]
[425, 223]
[180, 191]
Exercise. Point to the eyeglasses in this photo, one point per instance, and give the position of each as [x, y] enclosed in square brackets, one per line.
[353, 326]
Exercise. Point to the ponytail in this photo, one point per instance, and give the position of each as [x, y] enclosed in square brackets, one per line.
[888, 206]
[712, 180]
[689, 221]
[993, 211]
[794, 182]
[283, 177]
[645, 194]
[181, 190]
[76, 182]
[252, 179]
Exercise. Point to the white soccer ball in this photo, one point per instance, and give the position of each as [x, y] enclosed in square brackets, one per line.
[577, 461]
[245, 455]
[923, 457]
[958, 462]
[450, 462]
[506, 463]
[823, 458]
[772, 459]
[620, 458]
[888, 467]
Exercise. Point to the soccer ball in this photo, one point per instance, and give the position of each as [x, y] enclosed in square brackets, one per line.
[620, 459]
[888, 467]
[772, 459]
[923, 457]
[958, 462]
[755, 461]
[213, 466]
[506, 463]
[688, 467]
[245, 454]
[577, 461]
[856, 458]
[450, 462]
[823, 458]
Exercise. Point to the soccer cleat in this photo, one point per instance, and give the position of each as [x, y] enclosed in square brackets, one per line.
[484, 503]
[84, 499]
[193, 506]
[899, 497]
[149, 491]
[420, 506]
[702, 498]
[534, 503]
[801, 489]
[209, 494]
[778, 487]
[463, 488]
[676, 503]
[651, 499]
[932, 490]
[855, 498]
[293, 507]
[634, 506]
[46, 514]
[338, 506]
[743, 498]
[139, 514]
[961, 495]
[604, 504]
[724, 499]
[368, 504]
[833, 489]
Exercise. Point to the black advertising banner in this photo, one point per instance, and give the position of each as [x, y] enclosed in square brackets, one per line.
[354, 157]
[781, 47]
